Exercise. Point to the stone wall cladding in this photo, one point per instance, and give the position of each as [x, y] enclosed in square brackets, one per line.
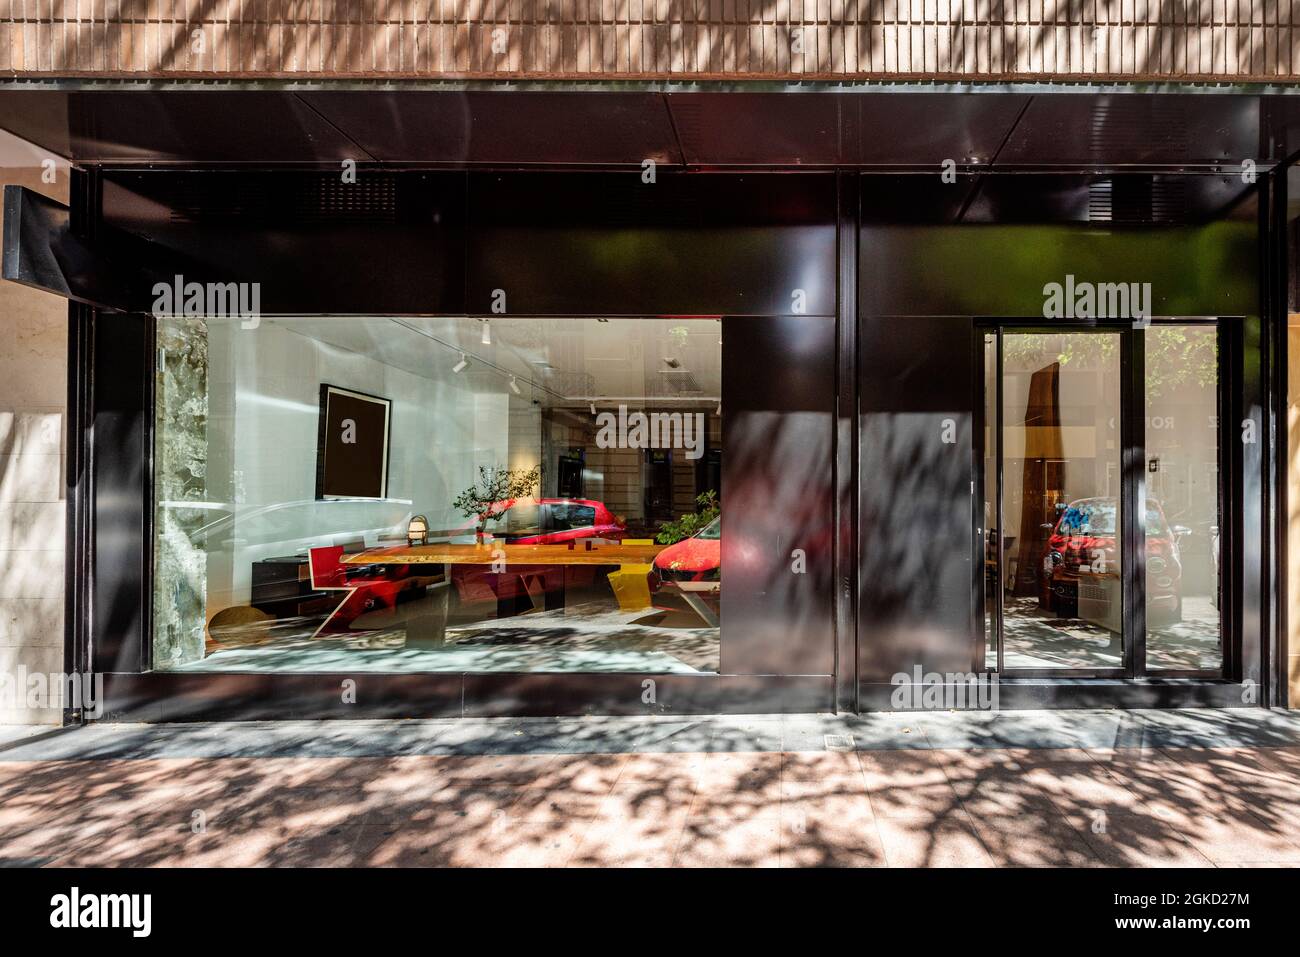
[1002, 40]
[33, 400]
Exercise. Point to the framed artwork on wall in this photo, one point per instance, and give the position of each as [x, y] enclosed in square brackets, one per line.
[352, 444]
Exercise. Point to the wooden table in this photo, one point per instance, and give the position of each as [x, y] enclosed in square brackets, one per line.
[447, 554]
[528, 563]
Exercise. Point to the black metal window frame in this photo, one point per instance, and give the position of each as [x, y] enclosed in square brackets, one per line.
[1132, 494]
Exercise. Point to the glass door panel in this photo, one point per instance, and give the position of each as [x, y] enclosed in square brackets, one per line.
[1184, 631]
[1059, 528]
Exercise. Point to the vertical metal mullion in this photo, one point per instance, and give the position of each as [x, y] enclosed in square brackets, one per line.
[1133, 498]
[1232, 517]
[1225, 353]
[979, 452]
[149, 532]
[1002, 539]
[1278, 296]
[79, 473]
[846, 433]
[78, 501]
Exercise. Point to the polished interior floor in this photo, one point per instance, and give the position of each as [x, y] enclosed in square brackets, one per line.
[588, 637]
[1037, 639]
[592, 637]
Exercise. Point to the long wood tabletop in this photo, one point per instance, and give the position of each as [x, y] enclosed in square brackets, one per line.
[447, 554]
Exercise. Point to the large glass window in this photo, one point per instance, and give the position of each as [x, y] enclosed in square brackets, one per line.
[400, 494]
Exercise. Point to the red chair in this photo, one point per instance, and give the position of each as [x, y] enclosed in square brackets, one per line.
[366, 588]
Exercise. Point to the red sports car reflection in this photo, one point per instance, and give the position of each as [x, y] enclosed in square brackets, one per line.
[689, 574]
[1084, 541]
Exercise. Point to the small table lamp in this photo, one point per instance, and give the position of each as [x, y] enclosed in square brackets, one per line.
[417, 531]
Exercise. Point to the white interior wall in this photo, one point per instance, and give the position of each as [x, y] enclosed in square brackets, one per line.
[264, 391]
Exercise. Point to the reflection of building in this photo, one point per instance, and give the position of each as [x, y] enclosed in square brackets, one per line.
[507, 264]
[1042, 479]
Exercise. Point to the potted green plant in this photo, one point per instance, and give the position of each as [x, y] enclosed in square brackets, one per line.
[494, 494]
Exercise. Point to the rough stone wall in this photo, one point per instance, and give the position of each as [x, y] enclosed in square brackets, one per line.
[180, 460]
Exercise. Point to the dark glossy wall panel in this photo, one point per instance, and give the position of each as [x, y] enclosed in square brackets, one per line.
[172, 696]
[764, 129]
[609, 244]
[553, 243]
[1108, 202]
[499, 695]
[386, 244]
[120, 454]
[1063, 129]
[989, 249]
[1001, 270]
[212, 126]
[796, 128]
[824, 129]
[911, 129]
[916, 503]
[508, 127]
[778, 489]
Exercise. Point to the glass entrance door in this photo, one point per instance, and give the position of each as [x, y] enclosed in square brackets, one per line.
[1060, 563]
[1082, 428]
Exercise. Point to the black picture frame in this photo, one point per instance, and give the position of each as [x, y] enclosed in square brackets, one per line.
[361, 471]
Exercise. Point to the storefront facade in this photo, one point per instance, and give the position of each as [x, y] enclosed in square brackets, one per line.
[466, 401]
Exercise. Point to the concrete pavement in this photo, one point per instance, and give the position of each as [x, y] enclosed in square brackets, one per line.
[1103, 788]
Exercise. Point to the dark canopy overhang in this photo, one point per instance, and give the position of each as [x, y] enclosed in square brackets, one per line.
[1017, 129]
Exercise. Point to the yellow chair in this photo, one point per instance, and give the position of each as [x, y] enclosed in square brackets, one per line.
[629, 582]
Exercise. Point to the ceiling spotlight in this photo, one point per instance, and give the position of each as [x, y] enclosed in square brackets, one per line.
[487, 333]
[514, 386]
[460, 366]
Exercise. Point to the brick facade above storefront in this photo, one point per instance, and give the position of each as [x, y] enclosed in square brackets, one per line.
[949, 40]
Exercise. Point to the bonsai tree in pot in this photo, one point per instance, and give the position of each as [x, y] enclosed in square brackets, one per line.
[495, 493]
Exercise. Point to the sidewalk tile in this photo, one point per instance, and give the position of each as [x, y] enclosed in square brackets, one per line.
[1138, 840]
[712, 842]
[912, 843]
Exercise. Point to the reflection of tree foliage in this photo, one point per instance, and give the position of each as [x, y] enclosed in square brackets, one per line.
[1175, 355]
[1031, 351]
[1179, 355]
